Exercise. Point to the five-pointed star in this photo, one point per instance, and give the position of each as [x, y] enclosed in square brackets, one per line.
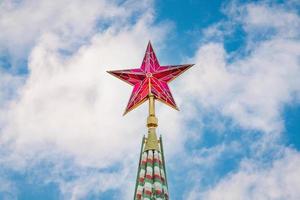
[150, 78]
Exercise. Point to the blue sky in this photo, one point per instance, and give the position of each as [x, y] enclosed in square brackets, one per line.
[62, 134]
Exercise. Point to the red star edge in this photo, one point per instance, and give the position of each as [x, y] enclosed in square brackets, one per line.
[150, 78]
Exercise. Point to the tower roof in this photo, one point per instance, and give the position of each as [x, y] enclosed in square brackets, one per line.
[151, 179]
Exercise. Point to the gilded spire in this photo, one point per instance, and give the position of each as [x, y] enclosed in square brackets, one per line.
[152, 141]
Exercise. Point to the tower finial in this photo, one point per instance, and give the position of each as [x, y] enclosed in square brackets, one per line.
[152, 122]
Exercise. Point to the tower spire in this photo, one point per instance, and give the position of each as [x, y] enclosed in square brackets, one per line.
[150, 83]
[151, 178]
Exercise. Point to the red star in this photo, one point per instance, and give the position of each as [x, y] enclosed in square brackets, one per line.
[150, 78]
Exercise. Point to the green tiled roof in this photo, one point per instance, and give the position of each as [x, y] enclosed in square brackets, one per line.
[151, 181]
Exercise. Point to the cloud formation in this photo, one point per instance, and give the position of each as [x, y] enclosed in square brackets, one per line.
[251, 90]
[23, 23]
[244, 88]
[64, 116]
[68, 111]
[253, 181]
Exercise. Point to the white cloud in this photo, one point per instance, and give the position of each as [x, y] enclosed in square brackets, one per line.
[253, 89]
[280, 181]
[262, 17]
[7, 189]
[208, 157]
[23, 23]
[69, 108]
[8, 83]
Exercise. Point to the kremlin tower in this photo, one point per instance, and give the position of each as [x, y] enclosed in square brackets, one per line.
[150, 83]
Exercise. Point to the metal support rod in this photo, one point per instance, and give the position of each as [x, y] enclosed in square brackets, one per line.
[152, 122]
